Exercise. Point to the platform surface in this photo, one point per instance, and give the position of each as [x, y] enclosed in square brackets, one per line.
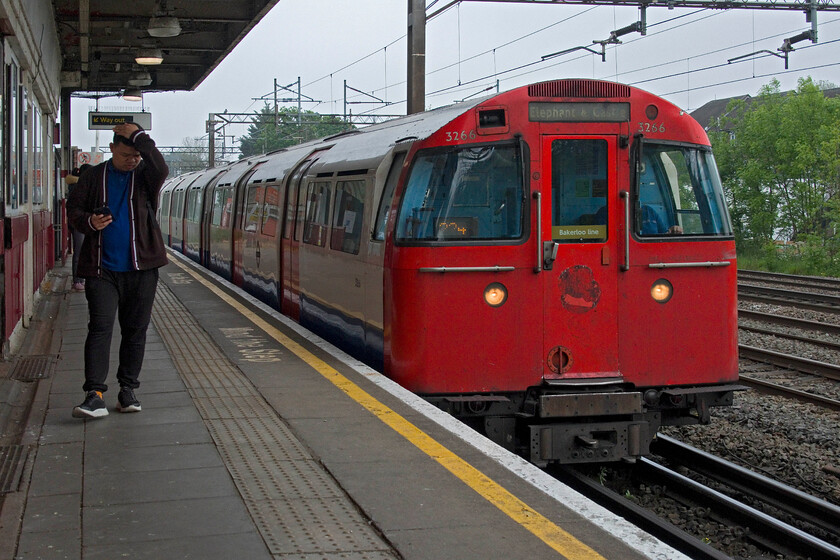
[258, 440]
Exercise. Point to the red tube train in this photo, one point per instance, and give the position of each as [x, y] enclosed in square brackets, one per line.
[554, 265]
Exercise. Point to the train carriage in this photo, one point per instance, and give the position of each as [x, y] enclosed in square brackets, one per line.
[554, 265]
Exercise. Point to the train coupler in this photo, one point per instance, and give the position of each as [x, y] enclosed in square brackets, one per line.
[590, 443]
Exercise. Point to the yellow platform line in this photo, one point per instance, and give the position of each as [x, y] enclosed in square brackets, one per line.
[544, 529]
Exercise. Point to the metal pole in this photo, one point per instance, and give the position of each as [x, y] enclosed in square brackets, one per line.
[416, 56]
[66, 164]
[275, 103]
[211, 141]
[299, 121]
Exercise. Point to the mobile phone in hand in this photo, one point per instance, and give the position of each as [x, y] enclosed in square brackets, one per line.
[102, 211]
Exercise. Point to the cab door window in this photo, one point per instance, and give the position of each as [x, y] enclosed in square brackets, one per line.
[579, 190]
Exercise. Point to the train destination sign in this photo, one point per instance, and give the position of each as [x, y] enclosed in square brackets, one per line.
[107, 121]
[542, 111]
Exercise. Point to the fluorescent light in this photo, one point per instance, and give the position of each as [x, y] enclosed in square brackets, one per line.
[149, 57]
[131, 94]
[165, 26]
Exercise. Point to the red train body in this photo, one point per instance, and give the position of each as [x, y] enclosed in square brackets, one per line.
[554, 265]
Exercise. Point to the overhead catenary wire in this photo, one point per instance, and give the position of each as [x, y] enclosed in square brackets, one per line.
[539, 66]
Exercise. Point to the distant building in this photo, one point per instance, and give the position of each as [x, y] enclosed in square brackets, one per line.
[710, 114]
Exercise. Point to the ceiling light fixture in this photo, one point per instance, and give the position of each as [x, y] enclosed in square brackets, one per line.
[131, 94]
[148, 57]
[139, 79]
[164, 26]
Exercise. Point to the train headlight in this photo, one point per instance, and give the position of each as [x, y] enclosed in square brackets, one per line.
[661, 291]
[495, 294]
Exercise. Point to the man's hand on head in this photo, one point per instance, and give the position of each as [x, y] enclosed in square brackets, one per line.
[126, 129]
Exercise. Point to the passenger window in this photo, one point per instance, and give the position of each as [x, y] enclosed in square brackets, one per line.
[218, 205]
[253, 206]
[348, 216]
[579, 191]
[192, 205]
[271, 211]
[317, 221]
[227, 206]
[388, 196]
[164, 206]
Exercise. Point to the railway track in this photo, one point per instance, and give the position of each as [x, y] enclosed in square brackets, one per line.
[825, 303]
[799, 282]
[808, 330]
[799, 525]
[829, 371]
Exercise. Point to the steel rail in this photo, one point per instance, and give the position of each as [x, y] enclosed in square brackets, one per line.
[818, 282]
[787, 302]
[638, 515]
[803, 506]
[823, 343]
[783, 536]
[769, 388]
[796, 363]
[797, 295]
[789, 321]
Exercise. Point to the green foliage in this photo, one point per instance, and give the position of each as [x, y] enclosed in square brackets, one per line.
[265, 135]
[778, 159]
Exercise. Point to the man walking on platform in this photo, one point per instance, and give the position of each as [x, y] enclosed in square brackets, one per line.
[113, 204]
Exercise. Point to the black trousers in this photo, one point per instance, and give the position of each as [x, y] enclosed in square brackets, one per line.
[127, 296]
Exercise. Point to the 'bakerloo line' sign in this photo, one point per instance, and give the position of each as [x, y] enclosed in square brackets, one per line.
[107, 121]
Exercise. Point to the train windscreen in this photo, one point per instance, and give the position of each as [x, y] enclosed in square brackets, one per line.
[680, 193]
[463, 194]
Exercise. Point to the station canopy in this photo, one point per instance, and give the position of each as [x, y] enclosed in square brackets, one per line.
[101, 40]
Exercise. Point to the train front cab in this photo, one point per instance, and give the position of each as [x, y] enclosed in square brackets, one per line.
[616, 327]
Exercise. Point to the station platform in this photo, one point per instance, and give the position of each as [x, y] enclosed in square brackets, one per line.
[258, 440]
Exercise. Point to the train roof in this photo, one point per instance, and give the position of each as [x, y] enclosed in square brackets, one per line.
[366, 147]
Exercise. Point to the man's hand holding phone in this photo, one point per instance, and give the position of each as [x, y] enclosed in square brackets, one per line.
[101, 218]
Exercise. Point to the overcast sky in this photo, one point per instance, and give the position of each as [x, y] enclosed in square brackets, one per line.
[325, 42]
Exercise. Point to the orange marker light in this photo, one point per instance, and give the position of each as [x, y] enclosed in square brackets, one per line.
[495, 294]
[661, 291]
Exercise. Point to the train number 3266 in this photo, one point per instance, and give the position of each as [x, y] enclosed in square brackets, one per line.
[651, 127]
[457, 136]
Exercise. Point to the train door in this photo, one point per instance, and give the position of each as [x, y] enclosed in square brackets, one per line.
[292, 226]
[580, 243]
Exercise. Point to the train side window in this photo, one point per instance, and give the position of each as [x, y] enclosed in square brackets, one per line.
[388, 196]
[218, 205]
[226, 206]
[347, 216]
[680, 193]
[179, 204]
[579, 190]
[271, 211]
[164, 205]
[193, 198]
[317, 220]
[253, 206]
[463, 195]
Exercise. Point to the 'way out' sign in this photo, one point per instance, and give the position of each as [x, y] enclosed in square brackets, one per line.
[107, 121]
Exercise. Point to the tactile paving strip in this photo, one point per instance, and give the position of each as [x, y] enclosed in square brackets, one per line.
[298, 507]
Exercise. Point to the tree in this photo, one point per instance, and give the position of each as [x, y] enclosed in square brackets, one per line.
[265, 135]
[778, 158]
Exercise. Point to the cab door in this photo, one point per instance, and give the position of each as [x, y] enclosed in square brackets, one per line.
[580, 242]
